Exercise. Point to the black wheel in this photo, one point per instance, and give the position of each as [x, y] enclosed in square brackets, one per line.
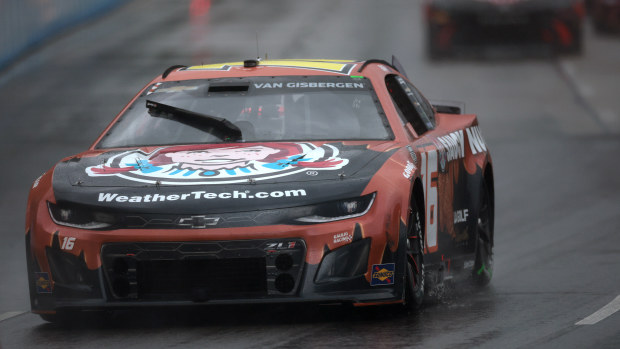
[414, 278]
[575, 47]
[598, 26]
[483, 266]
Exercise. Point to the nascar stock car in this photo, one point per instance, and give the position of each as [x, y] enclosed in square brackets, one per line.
[265, 182]
[457, 27]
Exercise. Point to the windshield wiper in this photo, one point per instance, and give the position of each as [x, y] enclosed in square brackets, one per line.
[219, 127]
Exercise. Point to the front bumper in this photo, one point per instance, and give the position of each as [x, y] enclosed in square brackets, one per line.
[172, 273]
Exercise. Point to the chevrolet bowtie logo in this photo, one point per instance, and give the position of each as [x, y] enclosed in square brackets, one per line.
[197, 222]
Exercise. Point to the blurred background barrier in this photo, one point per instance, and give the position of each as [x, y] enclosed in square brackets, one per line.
[24, 24]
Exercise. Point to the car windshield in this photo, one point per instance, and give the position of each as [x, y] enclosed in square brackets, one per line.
[265, 109]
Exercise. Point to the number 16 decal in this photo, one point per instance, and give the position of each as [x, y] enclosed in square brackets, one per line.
[430, 179]
[68, 243]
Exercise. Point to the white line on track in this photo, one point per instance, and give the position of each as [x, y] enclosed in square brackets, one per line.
[10, 314]
[602, 313]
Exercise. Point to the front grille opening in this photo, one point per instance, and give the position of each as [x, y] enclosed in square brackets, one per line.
[203, 271]
[202, 279]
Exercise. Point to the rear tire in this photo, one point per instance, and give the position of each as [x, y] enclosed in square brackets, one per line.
[414, 262]
[483, 265]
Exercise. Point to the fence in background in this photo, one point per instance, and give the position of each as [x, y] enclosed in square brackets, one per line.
[25, 24]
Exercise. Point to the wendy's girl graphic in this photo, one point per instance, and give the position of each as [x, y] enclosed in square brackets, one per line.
[216, 163]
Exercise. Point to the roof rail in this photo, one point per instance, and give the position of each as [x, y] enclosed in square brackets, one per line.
[170, 69]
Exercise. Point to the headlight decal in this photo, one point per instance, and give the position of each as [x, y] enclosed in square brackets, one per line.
[80, 217]
[341, 209]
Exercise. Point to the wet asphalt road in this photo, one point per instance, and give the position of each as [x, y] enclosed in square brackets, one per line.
[553, 127]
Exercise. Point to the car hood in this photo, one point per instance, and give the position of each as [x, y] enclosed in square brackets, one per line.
[219, 178]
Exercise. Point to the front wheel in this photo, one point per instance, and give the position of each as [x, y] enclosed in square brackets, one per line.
[414, 277]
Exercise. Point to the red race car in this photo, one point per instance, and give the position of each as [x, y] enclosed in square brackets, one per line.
[265, 182]
[466, 27]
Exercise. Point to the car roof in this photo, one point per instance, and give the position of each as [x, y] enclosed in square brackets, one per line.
[279, 67]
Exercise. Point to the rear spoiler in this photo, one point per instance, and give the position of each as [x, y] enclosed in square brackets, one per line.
[445, 107]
